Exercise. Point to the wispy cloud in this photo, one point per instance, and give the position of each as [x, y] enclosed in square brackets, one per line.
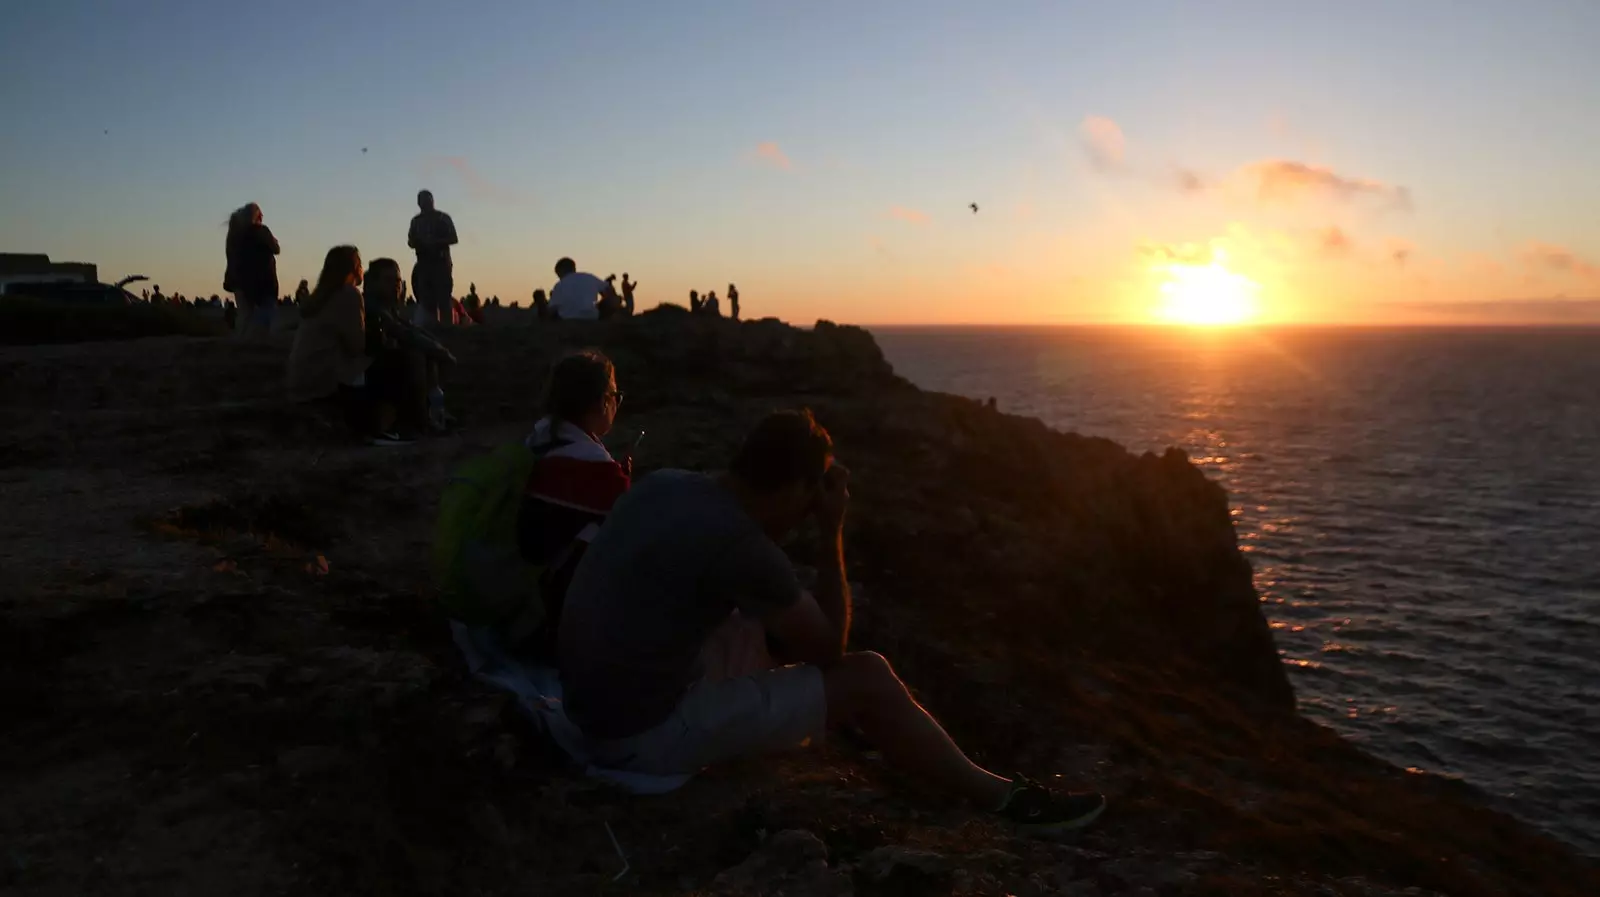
[769, 153]
[878, 246]
[1334, 241]
[910, 216]
[1287, 181]
[476, 185]
[1551, 257]
[1512, 311]
[1188, 180]
[1176, 253]
[1104, 142]
[1400, 251]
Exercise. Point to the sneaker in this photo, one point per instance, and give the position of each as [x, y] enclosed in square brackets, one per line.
[391, 439]
[1038, 811]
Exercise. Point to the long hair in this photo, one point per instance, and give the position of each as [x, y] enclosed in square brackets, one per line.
[242, 217]
[337, 269]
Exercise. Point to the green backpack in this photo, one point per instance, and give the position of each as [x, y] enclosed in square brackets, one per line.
[478, 567]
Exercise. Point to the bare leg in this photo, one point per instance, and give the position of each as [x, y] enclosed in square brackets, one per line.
[864, 691]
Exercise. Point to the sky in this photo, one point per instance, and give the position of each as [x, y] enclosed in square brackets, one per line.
[1363, 162]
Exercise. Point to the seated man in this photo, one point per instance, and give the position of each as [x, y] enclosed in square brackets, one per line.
[679, 554]
[403, 354]
[577, 294]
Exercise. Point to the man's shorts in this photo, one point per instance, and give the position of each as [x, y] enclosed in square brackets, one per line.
[773, 710]
[433, 283]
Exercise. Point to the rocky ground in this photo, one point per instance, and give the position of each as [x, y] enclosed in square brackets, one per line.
[223, 674]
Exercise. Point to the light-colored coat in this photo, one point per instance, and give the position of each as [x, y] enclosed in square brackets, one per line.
[330, 346]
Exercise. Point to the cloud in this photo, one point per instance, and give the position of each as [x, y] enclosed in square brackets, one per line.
[878, 246]
[1334, 241]
[1508, 311]
[1176, 254]
[477, 186]
[1189, 181]
[1103, 141]
[769, 153]
[1551, 257]
[1400, 251]
[1287, 181]
[910, 216]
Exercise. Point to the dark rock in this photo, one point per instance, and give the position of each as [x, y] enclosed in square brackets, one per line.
[895, 869]
[312, 760]
[793, 863]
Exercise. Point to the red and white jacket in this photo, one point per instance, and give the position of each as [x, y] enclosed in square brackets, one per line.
[577, 472]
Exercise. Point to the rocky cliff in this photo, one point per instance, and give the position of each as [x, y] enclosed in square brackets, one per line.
[222, 670]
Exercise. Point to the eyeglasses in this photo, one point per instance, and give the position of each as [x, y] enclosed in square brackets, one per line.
[616, 394]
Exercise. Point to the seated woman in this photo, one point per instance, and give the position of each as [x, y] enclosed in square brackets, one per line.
[575, 480]
[329, 357]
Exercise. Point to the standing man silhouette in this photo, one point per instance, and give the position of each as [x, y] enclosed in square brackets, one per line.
[432, 277]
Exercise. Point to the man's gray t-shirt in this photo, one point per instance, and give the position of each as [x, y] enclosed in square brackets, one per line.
[676, 556]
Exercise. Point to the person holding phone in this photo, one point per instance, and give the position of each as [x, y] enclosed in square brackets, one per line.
[574, 481]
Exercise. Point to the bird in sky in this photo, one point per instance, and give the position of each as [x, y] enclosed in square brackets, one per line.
[974, 207]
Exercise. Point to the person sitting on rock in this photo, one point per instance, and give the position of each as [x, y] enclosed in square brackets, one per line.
[694, 302]
[575, 480]
[711, 306]
[541, 305]
[402, 352]
[663, 639]
[577, 295]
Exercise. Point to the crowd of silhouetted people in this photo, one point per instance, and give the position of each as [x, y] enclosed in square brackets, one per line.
[362, 339]
[251, 279]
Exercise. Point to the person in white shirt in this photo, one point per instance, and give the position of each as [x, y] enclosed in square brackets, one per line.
[577, 294]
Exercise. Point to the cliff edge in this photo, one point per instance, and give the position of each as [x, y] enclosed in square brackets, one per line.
[223, 672]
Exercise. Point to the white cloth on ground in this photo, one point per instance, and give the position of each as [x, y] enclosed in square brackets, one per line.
[538, 691]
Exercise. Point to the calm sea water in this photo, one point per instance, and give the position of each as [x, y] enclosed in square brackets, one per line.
[1422, 508]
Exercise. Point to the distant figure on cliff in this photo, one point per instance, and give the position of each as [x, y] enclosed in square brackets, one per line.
[733, 302]
[541, 305]
[432, 277]
[628, 286]
[577, 294]
[301, 292]
[694, 302]
[155, 297]
[610, 303]
[711, 306]
[252, 274]
[472, 305]
[665, 632]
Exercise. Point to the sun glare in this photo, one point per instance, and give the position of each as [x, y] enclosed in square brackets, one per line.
[1206, 295]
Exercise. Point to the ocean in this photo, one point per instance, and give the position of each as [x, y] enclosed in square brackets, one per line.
[1421, 508]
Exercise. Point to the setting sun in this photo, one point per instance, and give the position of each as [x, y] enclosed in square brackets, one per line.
[1206, 295]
